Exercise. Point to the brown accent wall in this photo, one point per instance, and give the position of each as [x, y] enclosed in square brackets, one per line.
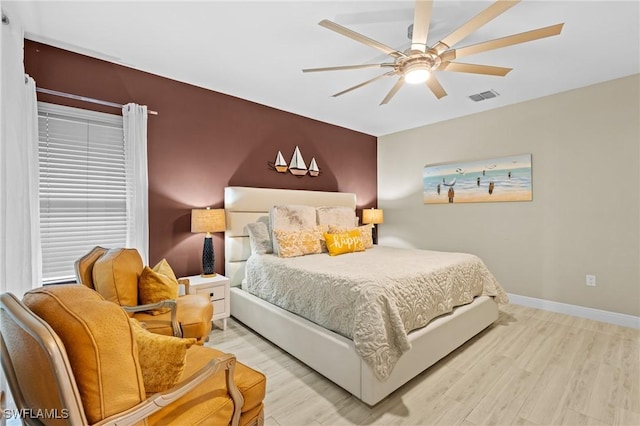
[202, 141]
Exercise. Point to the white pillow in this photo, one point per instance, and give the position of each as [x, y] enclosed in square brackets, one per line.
[259, 238]
[343, 217]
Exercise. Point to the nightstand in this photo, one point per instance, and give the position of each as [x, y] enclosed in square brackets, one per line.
[217, 290]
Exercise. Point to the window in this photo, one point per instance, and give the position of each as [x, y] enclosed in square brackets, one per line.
[82, 186]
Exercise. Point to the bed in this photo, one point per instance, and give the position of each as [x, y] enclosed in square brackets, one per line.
[335, 354]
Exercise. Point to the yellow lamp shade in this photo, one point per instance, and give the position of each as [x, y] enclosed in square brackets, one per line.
[372, 216]
[208, 220]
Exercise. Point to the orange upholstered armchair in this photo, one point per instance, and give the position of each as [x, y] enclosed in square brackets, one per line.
[114, 273]
[64, 366]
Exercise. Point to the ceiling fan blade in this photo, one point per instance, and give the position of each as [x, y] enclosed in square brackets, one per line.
[493, 11]
[393, 91]
[421, 20]
[474, 68]
[509, 40]
[447, 56]
[347, 67]
[360, 38]
[435, 86]
[357, 86]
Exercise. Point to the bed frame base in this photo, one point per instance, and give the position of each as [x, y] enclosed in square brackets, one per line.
[334, 356]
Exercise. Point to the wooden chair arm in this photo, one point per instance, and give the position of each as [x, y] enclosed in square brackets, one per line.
[185, 282]
[159, 400]
[170, 303]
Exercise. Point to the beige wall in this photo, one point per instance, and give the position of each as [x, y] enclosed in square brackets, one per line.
[584, 217]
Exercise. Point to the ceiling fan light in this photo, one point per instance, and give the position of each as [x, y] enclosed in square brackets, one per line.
[417, 75]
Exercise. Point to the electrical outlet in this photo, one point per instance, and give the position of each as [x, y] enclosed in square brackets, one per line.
[591, 280]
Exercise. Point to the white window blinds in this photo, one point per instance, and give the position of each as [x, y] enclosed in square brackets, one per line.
[82, 186]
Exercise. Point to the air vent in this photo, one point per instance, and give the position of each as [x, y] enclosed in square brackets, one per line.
[484, 95]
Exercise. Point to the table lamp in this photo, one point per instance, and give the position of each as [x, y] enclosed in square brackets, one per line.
[373, 216]
[208, 220]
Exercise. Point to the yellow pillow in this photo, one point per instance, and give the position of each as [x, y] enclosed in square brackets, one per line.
[164, 268]
[365, 233]
[156, 285]
[162, 358]
[347, 242]
[299, 243]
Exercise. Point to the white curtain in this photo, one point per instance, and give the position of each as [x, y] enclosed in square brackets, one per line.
[20, 258]
[135, 139]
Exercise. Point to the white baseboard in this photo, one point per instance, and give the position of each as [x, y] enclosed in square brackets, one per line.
[577, 311]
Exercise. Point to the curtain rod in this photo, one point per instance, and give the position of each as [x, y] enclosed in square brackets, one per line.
[85, 99]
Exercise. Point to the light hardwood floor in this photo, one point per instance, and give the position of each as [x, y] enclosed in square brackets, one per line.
[531, 367]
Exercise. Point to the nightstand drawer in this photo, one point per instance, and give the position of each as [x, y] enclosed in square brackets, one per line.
[219, 307]
[217, 293]
[214, 293]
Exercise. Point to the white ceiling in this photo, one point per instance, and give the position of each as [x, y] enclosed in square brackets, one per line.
[256, 50]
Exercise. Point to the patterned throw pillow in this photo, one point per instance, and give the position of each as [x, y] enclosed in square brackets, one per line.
[156, 285]
[290, 218]
[259, 238]
[162, 358]
[365, 233]
[347, 242]
[299, 243]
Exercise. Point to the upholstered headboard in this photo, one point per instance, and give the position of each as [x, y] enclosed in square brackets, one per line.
[245, 205]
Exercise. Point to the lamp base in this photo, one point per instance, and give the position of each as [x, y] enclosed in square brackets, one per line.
[208, 257]
[208, 275]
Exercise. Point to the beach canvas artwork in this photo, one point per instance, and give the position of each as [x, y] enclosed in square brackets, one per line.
[482, 181]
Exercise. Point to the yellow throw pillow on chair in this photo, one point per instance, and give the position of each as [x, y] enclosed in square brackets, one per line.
[162, 358]
[156, 285]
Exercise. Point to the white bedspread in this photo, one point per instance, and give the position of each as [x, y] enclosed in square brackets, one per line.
[375, 297]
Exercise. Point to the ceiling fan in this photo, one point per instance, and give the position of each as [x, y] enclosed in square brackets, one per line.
[419, 62]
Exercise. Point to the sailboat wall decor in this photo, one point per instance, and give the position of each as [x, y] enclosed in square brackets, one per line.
[313, 168]
[297, 165]
[280, 164]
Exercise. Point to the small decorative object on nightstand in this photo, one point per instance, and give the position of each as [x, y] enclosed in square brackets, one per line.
[216, 288]
[373, 216]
